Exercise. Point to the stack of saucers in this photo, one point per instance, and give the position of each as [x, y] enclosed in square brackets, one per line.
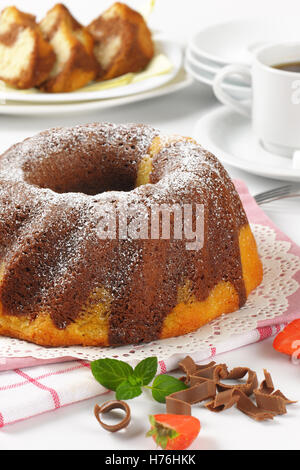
[233, 42]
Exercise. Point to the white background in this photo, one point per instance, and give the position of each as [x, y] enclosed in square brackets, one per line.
[74, 427]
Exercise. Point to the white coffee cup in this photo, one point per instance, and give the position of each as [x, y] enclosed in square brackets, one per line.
[275, 104]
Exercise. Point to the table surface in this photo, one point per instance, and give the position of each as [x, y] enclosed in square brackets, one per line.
[74, 427]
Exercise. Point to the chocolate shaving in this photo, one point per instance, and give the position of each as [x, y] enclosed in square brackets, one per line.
[220, 372]
[190, 368]
[267, 385]
[286, 400]
[269, 400]
[187, 365]
[272, 403]
[180, 402]
[111, 405]
[246, 405]
[205, 383]
[222, 401]
[184, 379]
[178, 407]
[211, 372]
[236, 374]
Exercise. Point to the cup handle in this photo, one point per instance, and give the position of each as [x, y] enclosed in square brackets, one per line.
[296, 160]
[225, 97]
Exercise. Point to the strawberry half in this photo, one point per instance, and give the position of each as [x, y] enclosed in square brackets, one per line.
[288, 340]
[173, 432]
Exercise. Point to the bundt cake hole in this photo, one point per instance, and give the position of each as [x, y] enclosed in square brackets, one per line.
[91, 183]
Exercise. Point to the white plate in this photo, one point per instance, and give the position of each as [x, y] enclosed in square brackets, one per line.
[196, 60]
[207, 70]
[235, 41]
[169, 48]
[238, 91]
[204, 60]
[229, 136]
[182, 80]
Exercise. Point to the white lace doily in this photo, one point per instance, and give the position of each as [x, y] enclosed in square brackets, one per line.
[268, 301]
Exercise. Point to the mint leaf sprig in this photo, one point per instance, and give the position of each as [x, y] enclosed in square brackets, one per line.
[128, 383]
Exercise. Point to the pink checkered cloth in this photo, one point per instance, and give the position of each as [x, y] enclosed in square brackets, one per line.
[30, 386]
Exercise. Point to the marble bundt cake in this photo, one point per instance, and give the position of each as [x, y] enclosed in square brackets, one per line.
[123, 42]
[26, 59]
[75, 64]
[62, 284]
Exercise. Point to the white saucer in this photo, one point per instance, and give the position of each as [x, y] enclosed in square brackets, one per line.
[212, 65]
[235, 41]
[197, 61]
[181, 81]
[229, 136]
[206, 69]
[170, 49]
[240, 92]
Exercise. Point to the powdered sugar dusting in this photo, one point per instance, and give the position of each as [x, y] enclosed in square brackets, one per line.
[57, 226]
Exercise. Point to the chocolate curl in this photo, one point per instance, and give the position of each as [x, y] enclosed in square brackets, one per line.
[269, 400]
[205, 382]
[177, 407]
[286, 400]
[111, 405]
[184, 379]
[212, 372]
[272, 403]
[220, 372]
[222, 401]
[179, 403]
[189, 367]
[246, 405]
[236, 374]
[267, 385]
[226, 398]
